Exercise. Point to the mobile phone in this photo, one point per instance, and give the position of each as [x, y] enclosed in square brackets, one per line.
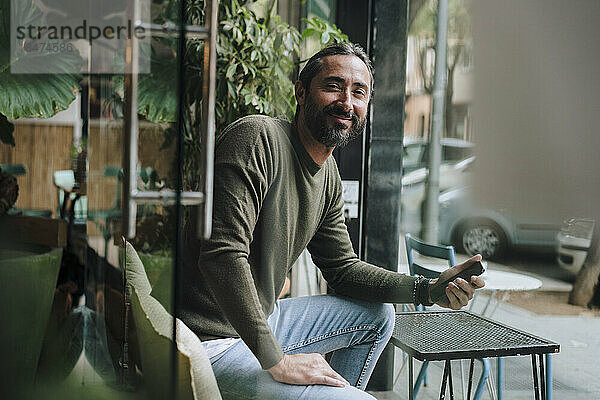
[439, 291]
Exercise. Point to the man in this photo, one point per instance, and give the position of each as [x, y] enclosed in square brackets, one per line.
[278, 191]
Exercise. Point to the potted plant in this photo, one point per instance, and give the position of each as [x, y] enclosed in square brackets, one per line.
[257, 57]
[31, 95]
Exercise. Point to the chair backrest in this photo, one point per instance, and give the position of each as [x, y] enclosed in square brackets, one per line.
[64, 180]
[428, 250]
[14, 169]
[154, 330]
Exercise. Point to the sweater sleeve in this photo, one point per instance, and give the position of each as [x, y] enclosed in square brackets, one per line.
[331, 250]
[242, 176]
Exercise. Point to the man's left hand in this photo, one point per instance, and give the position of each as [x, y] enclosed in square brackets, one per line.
[459, 291]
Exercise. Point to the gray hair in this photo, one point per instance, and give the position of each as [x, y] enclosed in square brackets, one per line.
[315, 63]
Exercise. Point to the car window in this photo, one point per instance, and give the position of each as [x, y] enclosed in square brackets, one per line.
[455, 153]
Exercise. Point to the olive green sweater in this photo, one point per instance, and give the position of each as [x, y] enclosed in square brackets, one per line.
[271, 200]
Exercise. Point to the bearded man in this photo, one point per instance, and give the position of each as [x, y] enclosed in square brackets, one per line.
[278, 191]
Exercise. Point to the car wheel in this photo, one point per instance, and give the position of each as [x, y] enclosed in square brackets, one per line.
[482, 237]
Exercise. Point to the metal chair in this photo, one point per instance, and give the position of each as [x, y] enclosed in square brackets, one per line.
[415, 268]
[14, 169]
[428, 250]
[70, 203]
[21, 170]
[73, 203]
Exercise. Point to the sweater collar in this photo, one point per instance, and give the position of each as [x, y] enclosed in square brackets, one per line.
[305, 158]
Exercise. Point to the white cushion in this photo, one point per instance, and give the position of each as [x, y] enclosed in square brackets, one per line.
[154, 328]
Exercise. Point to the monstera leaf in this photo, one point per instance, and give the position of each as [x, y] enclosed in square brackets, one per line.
[157, 90]
[32, 95]
[36, 95]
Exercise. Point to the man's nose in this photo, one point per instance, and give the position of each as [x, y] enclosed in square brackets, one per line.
[345, 99]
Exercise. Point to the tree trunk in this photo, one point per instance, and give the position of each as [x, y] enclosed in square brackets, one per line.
[413, 9]
[449, 110]
[449, 117]
[583, 288]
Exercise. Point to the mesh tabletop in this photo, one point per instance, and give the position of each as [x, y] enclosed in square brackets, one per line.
[444, 335]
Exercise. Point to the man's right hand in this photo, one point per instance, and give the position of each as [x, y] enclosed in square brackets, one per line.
[306, 369]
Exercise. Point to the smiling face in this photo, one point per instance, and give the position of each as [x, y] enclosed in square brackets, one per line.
[335, 105]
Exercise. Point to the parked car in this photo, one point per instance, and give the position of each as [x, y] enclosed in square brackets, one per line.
[491, 231]
[413, 190]
[574, 240]
[416, 152]
[488, 230]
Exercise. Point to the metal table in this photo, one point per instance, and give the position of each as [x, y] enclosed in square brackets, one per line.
[454, 335]
[506, 281]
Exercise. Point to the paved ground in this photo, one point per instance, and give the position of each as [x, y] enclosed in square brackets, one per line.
[578, 333]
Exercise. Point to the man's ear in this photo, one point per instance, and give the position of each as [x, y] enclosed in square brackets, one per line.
[300, 93]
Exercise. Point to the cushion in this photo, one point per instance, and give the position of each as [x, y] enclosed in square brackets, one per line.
[154, 327]
[136, 274]
[27, 280]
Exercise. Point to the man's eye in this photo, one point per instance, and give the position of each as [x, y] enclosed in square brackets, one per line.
[333, 86]
[360, 92]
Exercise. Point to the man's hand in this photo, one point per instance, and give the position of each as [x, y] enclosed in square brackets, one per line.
[459, 292]
[306, 369]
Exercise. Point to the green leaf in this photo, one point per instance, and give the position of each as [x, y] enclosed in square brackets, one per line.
[231, 89]
[231, 71]
[6, 131]
[24, 12]
[157, 97]
[278, 41]
[39, 95]
[36, 95]
[289, 41]
[308, 32]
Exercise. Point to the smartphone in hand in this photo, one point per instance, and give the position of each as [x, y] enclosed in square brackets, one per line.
[438, 291]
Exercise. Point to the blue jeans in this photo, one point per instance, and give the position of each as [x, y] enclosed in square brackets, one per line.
[355, 331]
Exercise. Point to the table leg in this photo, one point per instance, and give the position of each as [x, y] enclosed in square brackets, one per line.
[498, 302]
[536, 387]
[451, 387]
[491, 386]
[411, 395]
[548, 376]
[500, 371]
[444, 380]
[471, 365]
[542, 376]
[462, 379]
[488, 302]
